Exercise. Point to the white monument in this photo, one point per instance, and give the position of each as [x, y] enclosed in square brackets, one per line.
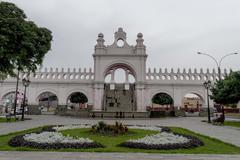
[108, 58]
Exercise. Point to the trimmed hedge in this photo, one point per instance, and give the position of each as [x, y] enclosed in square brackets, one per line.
[19, 141]
[194, 142]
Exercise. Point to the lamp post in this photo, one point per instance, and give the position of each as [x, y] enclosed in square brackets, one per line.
[207, 85]
[218, 63]
[26, 83]
[16, 94]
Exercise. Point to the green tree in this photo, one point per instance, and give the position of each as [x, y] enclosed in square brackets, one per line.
[78, 97]
[162, 99]
[23, 44]
[227, 91]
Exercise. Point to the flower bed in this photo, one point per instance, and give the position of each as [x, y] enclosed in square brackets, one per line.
[164, 140]
[51, 140]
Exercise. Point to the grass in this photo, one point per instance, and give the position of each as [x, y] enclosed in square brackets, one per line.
[212, 146]
[3, 120]
[232, 123]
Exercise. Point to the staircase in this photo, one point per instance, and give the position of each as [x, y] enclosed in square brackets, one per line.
[119, 99]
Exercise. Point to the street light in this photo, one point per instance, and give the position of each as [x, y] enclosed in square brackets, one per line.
[26, 83]
[207, 85]
[218, 63]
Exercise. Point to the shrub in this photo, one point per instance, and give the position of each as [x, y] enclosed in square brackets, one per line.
[107, 129]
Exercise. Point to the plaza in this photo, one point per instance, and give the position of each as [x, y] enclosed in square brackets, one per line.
[125, 80]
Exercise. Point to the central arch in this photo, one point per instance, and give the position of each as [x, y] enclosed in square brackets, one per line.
[119, 96]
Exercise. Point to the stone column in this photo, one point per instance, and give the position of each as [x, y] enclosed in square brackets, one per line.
[127, 78]
[98, 96]
[112, 75]
[112, 83]
[127, 86]
[140, 98]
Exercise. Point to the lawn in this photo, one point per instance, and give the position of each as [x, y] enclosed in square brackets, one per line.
[232, 123]
[3, 119]
[212, 146]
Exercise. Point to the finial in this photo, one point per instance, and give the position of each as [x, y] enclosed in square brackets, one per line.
[139, 35]
[100, 35]
[120, 29]
[140, 41]
[100, 41]
[120, 34]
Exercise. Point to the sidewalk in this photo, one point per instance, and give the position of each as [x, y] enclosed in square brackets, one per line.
[109, 156]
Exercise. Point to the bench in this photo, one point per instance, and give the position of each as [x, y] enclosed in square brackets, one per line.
[219, 120]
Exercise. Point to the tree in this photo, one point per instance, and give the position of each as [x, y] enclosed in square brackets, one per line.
[162, 99]
[78, 97]
[23, 44]
[227, 91]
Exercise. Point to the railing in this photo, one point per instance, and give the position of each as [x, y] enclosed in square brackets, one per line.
[151, 75]
[183, 75]
[50, 75]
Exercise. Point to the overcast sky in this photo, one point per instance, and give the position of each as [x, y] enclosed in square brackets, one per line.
[173, 30]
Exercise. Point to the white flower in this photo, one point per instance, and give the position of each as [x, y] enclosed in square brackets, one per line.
[161, 138]
[54, 137]
[151, 128]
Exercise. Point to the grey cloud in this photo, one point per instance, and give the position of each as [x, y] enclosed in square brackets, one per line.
[173, 30]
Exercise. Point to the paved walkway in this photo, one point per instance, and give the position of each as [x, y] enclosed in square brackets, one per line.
[109, 156]
[226, 134]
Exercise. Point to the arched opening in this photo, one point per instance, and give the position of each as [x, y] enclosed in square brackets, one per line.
[107, 78]
[8, 102]
[77, 101]
[192, 103]
[48, 102]
[131, 78]
[162, 104]
[162, 101]
[120, 43]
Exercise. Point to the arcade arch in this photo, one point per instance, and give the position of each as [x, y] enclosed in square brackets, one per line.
[162, 101]
[8, 100]
[48, 101]
[77, 101]
[192, 102]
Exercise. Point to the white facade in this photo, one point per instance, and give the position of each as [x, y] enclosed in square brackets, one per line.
[108, 58]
